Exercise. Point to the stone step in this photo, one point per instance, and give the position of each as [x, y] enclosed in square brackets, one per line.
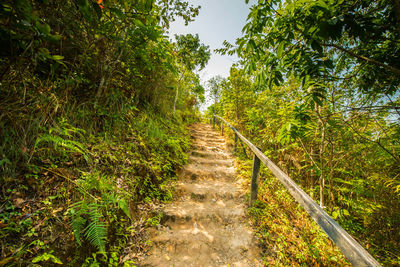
[209, 139]
[210, 153]
[200, 253]
[211, 162]
[203, 190]
[219, 246]
[195, 172]
[221, 211]
[223, 237]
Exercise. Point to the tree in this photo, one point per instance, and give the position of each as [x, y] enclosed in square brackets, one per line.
[215, 87]
[192, 55]
[353, 43]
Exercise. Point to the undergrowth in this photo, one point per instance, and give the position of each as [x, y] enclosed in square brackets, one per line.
[75, 201]
[288, 236]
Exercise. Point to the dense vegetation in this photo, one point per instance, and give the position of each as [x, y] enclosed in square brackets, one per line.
[318, 91]
[94, 105]
[86, 126]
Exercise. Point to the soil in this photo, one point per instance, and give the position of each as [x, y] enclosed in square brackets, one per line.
[206, 224]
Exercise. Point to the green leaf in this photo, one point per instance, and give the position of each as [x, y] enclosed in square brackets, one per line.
[251, 45]
[138, 23]
[47, 256]
[148, 5]
[43, 28]
[117, 12]
[280, 48]
[57, 57]
[346, 212]
[124, 207]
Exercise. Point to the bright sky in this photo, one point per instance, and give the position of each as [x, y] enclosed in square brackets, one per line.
[218, 20]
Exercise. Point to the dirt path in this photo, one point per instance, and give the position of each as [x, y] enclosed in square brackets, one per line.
[206, 225]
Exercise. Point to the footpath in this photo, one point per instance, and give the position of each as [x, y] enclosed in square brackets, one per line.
[206, 224]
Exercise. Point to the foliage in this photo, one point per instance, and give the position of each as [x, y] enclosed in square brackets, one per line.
[46, 257]
[345, 158]
[286, 232]
[323, 104]
[85, 123]
[192, 55]
[323, 40]
[95, 230]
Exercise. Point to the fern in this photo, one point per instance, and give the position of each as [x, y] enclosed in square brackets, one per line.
[78, 224]
[64, 139]
[69, 145]
[93, 229]
[96, 231]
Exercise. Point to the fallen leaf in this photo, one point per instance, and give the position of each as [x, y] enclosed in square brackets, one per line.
[18, 202]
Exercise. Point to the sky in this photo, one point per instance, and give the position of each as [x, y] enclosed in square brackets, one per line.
[218, 20]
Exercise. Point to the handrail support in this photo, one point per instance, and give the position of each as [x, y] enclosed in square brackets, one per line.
[254, 180]
[236, 141]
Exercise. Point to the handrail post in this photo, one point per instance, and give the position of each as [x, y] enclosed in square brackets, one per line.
[244, 150]
[213, 123]
[222, 129]
[254, 180]
[236, 140]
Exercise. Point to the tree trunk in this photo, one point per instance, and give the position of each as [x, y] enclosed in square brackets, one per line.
[108, 70]
[177, 93]
[321, 158]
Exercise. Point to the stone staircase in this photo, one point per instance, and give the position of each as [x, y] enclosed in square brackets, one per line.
[206, 224]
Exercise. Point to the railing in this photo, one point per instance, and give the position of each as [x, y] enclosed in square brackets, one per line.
[353, 251]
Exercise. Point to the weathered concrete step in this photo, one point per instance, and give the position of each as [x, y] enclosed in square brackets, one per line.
[205, 191]
[212, 162]
[221, 211]
[171, 256]
[206, 154]
[215, 246]
[193, 172]
[211, 146]
[209, 140]
[223, 237]
[204, 132]
[214, 152]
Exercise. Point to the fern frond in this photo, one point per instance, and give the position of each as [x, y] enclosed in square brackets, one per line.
[96, 231]
[77, 225]
[70, 146]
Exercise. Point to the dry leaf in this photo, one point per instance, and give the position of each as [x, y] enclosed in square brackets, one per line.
[18, 202]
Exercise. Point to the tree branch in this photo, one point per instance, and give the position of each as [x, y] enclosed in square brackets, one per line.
[368, 60]
[396, 158]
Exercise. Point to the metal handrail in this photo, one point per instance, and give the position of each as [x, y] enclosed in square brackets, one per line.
[353, 251]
